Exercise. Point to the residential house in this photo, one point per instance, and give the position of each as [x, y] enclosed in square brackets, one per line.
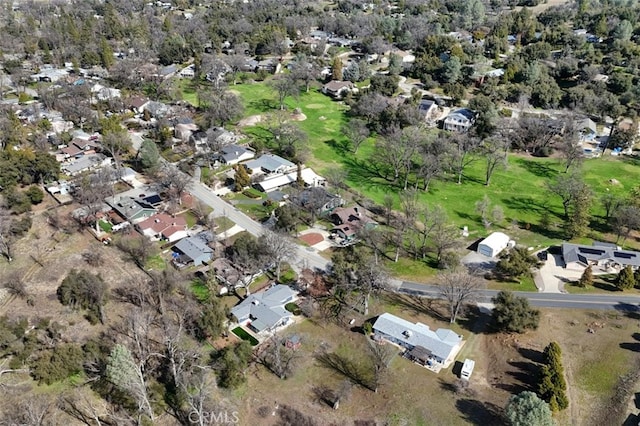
[131, 209]
[168, 71]
[318, 198]
[348, 221]
[459, 120]
[188, 72]
[587, 129]
[233, 154]
[102, 93]
[85, 163]
[184, 127]
[137, 104]
[434, 349]
[337, 89]
[604, 255]
[269, 164]
[157, 109]
[192, 251]
[308, 176]
[163, 226]
[50, 75]
[265, 312]
[428, 109]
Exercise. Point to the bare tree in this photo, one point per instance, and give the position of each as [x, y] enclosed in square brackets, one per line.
[174, 182]
[569, 146]
[279, 249]
[90, 191]
[15, 285]
[462, 156]
[285, 86]
[278, 358]
[356, 132]
[495, 152]
[458, 288]
[380, 356]
[116, 144]
[7, 237]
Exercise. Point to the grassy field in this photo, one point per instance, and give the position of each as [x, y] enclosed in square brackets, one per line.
[505, 364]
[241, 333]
[519, 188]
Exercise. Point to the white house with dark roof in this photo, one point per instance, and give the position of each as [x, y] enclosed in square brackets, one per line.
[433, 349]
[607, 256]
[264, 312]
[233, 154]
[459, 120]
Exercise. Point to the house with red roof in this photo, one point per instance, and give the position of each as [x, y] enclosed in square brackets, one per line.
[163, 226]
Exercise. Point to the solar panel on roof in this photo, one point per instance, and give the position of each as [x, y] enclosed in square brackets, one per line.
[622, 255]
[587, 250]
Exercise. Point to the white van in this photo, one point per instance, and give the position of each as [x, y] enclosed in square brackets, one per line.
[467, 369]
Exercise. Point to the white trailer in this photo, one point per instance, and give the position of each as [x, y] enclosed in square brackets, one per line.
[467, 369]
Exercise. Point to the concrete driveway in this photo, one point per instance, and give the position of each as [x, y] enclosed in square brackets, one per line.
[552, 276]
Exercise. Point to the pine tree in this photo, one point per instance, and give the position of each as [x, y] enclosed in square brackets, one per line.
[587, 277]
[241, 177]
[625, 279]
[552, 384]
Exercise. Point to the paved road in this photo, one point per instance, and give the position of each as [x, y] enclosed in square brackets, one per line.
[306, 257]
[548, 300]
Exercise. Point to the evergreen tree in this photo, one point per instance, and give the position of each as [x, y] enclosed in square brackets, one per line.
[513, 314]
[625, 279]
[526, 409]
[587, 277]
[241, 177]
[552, 385]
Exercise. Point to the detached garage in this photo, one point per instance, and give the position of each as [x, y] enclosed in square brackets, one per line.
[493, 244]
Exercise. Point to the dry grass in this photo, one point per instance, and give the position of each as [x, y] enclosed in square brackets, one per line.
[505, 364]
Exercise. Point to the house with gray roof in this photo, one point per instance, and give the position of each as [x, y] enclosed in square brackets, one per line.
[264, 312]
[233, 154]
[459, 120]
[434, 349]
[131, 209]
[269, 164]
[607, 256]
[192, 250]
[85, 163]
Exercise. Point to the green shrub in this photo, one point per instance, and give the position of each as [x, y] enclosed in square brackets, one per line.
[293, 308]
[57, 364]
[35, 194]
[253, 193]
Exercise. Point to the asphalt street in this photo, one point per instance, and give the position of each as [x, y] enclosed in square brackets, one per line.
[549, 300]
[306, 256]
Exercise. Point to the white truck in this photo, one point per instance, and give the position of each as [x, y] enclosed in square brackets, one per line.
[467, 369]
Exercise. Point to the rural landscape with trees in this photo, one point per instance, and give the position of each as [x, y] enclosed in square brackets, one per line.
[276, 212]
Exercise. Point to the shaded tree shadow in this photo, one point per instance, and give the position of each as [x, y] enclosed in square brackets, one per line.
[264, 104]
[480, 413]
[554, 234]
[527, 375]
[475, 320]
[367, 175]
[417, 305]
[474, 245]
[341, 147]
[537, 168]
[629, 310]
[603, 285]
[632, 346]
[532, 354]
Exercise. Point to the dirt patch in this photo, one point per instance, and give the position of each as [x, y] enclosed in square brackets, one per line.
[252, 120]
[312, 238]
[298, 117]
[314, 106]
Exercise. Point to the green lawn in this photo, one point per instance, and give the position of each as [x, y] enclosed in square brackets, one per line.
[155, 263]
[241, 333]
[520, 188]
[105, 226]
[191, 218]
[223, 224]
[200, 290]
